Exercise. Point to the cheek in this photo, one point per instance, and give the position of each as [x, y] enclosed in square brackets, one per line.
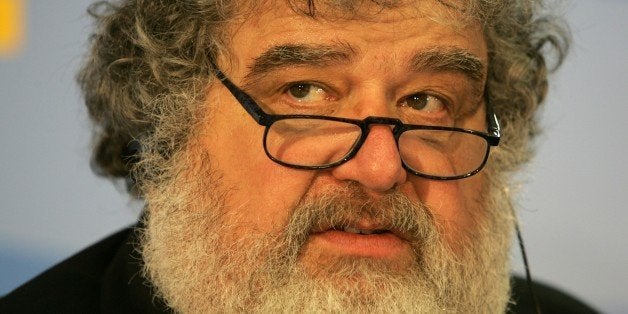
[456, 205]
[258, 194]
[263, 194]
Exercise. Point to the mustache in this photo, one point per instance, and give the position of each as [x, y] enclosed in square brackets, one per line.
[346, 207]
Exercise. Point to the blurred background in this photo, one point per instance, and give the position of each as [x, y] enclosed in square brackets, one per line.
[572, 199]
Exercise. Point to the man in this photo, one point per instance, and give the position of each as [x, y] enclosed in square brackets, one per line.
[310, 156]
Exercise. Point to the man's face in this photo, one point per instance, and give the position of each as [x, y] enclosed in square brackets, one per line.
[370, 78]
[378, 61]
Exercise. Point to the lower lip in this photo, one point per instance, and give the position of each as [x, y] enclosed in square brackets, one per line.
[383, 245]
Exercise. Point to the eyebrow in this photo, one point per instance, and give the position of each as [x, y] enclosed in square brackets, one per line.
[449, 59]
[282, 56]
[437, 59]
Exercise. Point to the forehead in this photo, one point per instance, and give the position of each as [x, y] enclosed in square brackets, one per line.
[388, 28]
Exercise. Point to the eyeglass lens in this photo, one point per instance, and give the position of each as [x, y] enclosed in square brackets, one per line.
[317, 142]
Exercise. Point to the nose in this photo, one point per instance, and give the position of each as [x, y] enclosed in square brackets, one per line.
[377, 165]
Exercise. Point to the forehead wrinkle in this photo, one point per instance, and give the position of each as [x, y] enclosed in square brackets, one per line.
[287, 55]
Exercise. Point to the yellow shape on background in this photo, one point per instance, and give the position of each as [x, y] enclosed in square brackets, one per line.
[11, 27]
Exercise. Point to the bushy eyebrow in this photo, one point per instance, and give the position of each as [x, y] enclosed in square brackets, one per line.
[436, 59]
[448, 59]
[282, 56]
[453, 60]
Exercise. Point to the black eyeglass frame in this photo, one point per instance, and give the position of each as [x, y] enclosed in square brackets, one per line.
[264, 119]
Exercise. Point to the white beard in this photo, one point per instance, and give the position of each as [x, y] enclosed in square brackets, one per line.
[195, 271]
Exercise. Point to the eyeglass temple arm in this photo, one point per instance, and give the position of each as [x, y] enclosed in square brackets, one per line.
[494, 129]
[247, 102]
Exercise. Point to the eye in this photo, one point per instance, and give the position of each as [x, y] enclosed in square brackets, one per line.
[305, 92]
[423, 102]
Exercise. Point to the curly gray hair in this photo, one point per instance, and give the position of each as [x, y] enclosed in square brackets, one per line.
[150, 61]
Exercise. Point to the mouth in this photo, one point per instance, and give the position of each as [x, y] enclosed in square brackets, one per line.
[365, 227]
[362, 239]
[364, 231]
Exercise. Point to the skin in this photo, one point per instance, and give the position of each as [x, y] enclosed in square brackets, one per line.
[261, 193]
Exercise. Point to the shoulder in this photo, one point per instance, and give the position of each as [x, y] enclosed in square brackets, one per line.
[550, 299]
[71, 286]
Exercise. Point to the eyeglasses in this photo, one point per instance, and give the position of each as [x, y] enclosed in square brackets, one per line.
[320, 142]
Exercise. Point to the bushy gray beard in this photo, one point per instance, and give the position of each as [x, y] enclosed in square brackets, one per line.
[195, 270]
